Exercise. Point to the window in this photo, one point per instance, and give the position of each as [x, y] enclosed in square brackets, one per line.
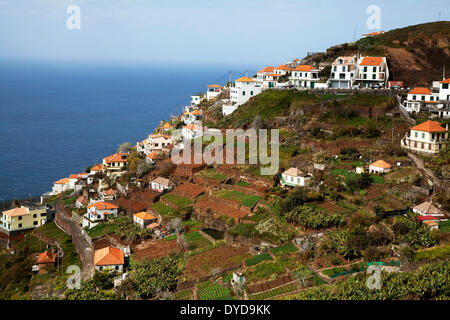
[343, 68]
[374, 76]
[251, 93]
[20, 225]
[243, 93]
[423, 135]
[365, 76]
[431, 98]
[423, 98]
[365, 69]
[334, 68]
[445, 86]
[35, 223]
[117, 267]
[374, 69]
[414, 97]
[34, 216]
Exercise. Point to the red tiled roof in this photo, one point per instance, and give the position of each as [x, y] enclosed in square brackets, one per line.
[446, 80]
[266, 69]
[283, 67]
[103, 205]
[46, 257]
[420, 90]
[214, 86]
[116, 157]
[108, 256]
[371, 61]
[429, 126]
[62, 181]
[304, 67]
[381, 164]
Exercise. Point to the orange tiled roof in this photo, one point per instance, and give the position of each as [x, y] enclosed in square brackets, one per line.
[304, 67]
[46, 257]
[103, 205]
[22, 211]
[144, 216]
[429, 126]
[116, 157]
[196, 113]
[381, 164]
[154, 155]
[245, 79]
[97, 167]
[283, 67]
[345, 60]
[373, 33]
[159, 135]
[266, 69]
[62, 181]
[74, 176]
[274, 75]
[420, 90]
[111, 192]
[152, 225]
[214, 86]
[446, 80]
[167, 126]
[371, 61]
[108, 256]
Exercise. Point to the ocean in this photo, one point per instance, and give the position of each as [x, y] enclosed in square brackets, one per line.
[59, 119]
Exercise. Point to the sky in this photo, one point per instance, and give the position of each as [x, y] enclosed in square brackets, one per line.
[196, 32]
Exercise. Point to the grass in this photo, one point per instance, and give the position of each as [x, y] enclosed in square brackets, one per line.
[245, 199]
[266, 270]
[177, 200]
[213, 174]
[257, 259]
[243, 184]
[287, 288]
[215, 234]
[101, 229]
[444, 226]
[284, 249]
[183, 295]
[433, 253]
[164, 210]
[212, 291]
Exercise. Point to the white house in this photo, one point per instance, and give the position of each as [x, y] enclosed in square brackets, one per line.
[60, 186]
[99, 211]
[343, 71]
[444, 90]
[380, 166]
[282, 70]
[294, 177]
[244, 89]
[161, 184]
[267, 77]
[116, 161]
[195, 100]
[419, 97]
[192, 131]
[144, 219]
[371, 71]
[304, 76]
[96, 169]
[192, 116]
[428, 209]
[213, 90]
[428, 137]
[156, 142]
[109, 258]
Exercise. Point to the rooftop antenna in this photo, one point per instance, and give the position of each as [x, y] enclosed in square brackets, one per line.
[443, 74]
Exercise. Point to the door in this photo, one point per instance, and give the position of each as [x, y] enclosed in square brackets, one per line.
[312, 85]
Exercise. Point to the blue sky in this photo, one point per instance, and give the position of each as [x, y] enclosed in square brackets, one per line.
[208, 32]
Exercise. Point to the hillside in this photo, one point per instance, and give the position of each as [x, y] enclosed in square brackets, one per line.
[416, 54]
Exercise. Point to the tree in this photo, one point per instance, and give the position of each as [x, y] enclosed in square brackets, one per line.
[296, 198]
[181, 241]
[124, 147]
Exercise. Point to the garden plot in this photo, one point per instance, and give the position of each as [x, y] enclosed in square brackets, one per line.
[223, 258]
[238, 196]
[212, 291]
[152, 249]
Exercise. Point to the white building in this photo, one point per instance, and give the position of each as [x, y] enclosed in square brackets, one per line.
[267, 77]
[109, 258]
[244, 89]
[161, 184]
[343, 71]
[294, 177]
[192, 131]
[99, 211]
[282, 70]
[144, 219]
[191, 116]
[213, 90]
[304, 76]
[380, 166]
[372, 71]
[195, 100]
[60, 186]
[444, 90]
[428, 209]
[156, 142]
[429, 137]
[116, 161]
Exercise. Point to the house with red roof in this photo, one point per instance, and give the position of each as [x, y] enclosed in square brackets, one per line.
[99, 211]
[191, 116]
[343, 70]
[60, 186]
[444, 90]
[429, 137]
[213, 90]
[372, 71]
[46, 261]
[144, 218]
[380, 166]
[243, 89]
[116, 161]
[109, 258]
[420, 97]
[304, 76]
[156, 142]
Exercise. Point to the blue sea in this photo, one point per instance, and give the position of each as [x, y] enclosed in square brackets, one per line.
[58, 119]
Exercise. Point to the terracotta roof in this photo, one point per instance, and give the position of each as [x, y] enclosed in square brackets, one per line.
[116, 157]
[163, 181]
[274, 75]
[98, 167]
[22, 211]
[373, 33]
[283, 67]
[245, 79]
[346, 60]
[371, 61]
[108, 256]
[155, 155]
[427, 218]
[427, 208]
[159, 135]
[153, 225]
[196, 113]
[381, 164]
[167, 126]
[101, 205]
[111, 192]
[429, 126]
[266, 70]
[304, 68]
[430, 223]
[420, 90]
[214, 86]
[294, 172]
[144, 216]
[446, 80]
[46, 257]
[62, 181]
